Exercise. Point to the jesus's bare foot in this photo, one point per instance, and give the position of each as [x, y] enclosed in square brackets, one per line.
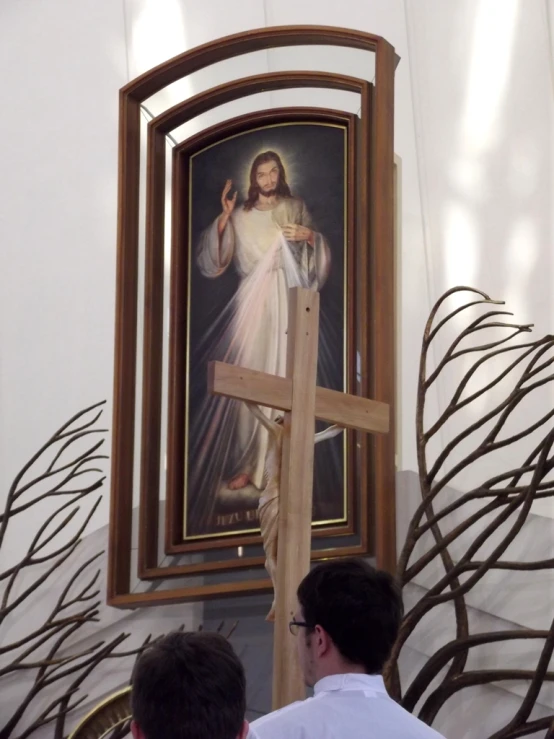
[239, 481]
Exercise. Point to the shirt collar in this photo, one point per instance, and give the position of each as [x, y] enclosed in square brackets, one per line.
[350, 681]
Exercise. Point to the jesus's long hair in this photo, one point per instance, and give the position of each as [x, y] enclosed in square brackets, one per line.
[282, 189]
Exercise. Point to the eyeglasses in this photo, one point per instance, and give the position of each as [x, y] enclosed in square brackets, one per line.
[295, 625]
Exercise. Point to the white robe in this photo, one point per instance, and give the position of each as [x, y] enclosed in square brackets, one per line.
[256, 334]
[348, 706]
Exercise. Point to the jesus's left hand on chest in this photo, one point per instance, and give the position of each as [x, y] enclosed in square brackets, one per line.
[294, 232]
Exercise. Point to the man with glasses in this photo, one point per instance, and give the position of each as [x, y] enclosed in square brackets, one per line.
[346, 623]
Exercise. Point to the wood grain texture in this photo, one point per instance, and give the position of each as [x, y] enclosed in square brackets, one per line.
[273, 116]
[295, 508]
[356, 519]
[127, 275]
[382, 338]
[351, 411]
[365, 208]
[153, 330]
[190, 594]
[125, 350]
[296, 395]
[228, 565]
[272, 391]
[152, 355]
[178, 345]
[184, 111]
[244, 43]
[177, 404]
[250, 385]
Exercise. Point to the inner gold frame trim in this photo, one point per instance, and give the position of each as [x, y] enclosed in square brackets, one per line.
[174, 543]
[152, 350]
[347, 236]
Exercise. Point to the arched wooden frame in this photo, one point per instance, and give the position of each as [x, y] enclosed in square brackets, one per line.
[377, 190]
[176, 472]
[153, 323]
[148, 539]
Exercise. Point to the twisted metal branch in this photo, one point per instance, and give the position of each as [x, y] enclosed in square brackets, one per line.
[48, 652]
[505, 497]
[58, 670]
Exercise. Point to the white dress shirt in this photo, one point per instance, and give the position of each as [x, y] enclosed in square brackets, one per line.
[348, 706]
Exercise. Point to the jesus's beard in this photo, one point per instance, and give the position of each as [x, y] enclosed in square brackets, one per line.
[268, 193]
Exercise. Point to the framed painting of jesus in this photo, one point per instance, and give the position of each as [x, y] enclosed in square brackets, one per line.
[214, 229]
[261, 204]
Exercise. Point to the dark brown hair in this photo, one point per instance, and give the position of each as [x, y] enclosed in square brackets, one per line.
[358, 606]
[282, 189]
[189, 686]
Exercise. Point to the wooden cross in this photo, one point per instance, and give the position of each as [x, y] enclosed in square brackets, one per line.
[302, 401]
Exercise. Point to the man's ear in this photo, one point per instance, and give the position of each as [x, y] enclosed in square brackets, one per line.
[244, 731]
[322, 641]
[136, 731]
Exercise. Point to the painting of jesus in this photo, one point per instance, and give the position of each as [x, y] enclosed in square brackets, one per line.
[268, 214]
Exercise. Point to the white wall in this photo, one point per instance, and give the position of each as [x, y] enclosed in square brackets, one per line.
[66, 63]
[58, 204]
[157, 30]
[63, 63]
[473, 129]
[482, 84]
[482, 88]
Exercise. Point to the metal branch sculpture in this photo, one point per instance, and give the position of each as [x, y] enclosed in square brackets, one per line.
[490, 515]
[65, 469]
[45, 661]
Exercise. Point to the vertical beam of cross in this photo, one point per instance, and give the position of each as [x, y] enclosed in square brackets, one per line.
[295, 517]
[302, 401]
